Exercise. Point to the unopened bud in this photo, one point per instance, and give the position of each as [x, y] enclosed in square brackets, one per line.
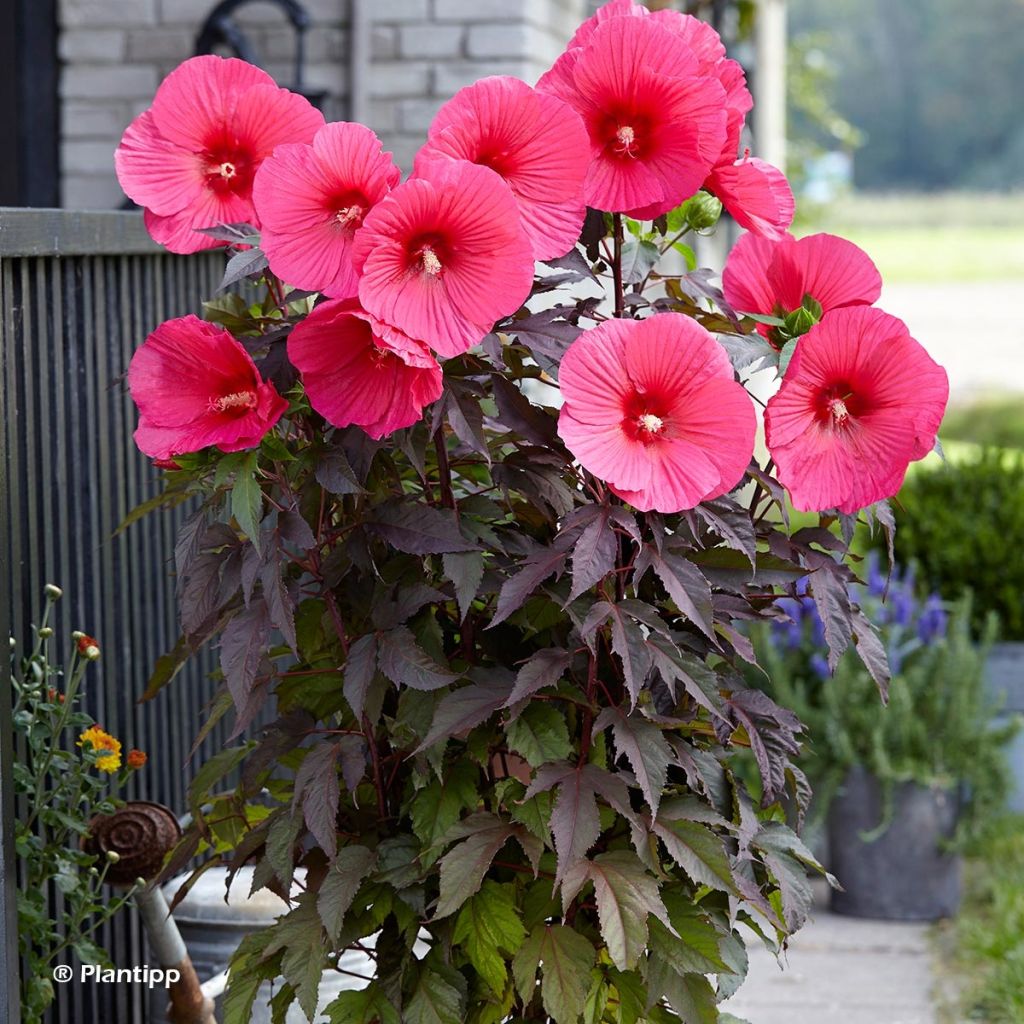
[88, 648]
[703, 211]
[45, 632]
[12, 642]
[799, 322]
[77, 635]
[53, 592]
[94, 871]
[113, 856]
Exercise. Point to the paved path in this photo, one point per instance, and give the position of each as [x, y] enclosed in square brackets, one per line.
[842, 970]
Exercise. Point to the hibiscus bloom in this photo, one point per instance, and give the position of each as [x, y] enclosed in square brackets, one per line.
[756, 194]
[311, 200]
[357, 370]
[772, 278]
[196, 386]
[191, 157]
[860, 401]
[652, 407]
[657, 125]
[443, 257]
[534, 141]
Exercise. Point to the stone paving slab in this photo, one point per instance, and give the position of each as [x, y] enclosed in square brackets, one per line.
[842, 970]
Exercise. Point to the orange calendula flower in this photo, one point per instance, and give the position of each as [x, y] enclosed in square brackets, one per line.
[136, 758]
[102, 743]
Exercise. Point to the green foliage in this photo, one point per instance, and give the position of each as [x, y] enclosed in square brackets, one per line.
[936, 728]
[987, 493]
[62, 779]
[991, 422]
[930, 83]
[989, 930]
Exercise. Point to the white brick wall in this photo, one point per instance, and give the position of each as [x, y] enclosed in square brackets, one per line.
[421, 52]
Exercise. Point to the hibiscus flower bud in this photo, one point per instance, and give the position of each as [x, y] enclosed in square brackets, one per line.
[799, 322]
[703, 211]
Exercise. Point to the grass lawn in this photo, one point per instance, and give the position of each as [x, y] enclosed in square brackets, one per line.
[984, 946]
[929, 239]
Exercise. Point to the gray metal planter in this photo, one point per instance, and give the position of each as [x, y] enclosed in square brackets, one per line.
[1005, 678]
[905, 874]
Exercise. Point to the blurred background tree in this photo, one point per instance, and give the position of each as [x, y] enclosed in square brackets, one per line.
[934, 85]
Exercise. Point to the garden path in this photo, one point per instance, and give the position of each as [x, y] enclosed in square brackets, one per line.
[841, 970]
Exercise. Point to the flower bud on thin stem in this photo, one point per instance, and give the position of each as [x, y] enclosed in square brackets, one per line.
[53, 592]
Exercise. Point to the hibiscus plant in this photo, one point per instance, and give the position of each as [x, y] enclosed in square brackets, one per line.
[478, 536]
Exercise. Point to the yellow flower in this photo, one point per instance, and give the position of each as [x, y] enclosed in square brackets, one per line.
[98, 741]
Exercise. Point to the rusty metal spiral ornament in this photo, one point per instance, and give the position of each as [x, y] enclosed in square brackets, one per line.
[140, 834]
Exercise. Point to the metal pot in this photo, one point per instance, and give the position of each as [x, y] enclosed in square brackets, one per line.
[1004, 673]
[905, 874]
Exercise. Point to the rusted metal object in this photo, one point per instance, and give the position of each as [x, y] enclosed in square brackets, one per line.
[135, 840]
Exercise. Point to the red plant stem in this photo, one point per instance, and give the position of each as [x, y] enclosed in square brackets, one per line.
[339, 626]
[444, 470]
[588, 713]
[620, 295]
[378, 780]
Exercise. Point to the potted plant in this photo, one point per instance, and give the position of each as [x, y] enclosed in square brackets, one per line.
[987, 490]
[900, 789]
[475, 534]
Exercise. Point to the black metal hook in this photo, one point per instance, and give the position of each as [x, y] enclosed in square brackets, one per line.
[219, 29]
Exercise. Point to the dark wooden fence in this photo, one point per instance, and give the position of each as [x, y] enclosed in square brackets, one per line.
[78, 293]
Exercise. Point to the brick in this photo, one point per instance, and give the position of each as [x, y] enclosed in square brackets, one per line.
[402, 10]
[414, 116]
[117, 82]
[384, 42]
[92, 45]
[91, 192]
[104, 13]
[450, 77]
[430, 40]
[88, 120]
[383, 117]
[504, 40]
[88, 156]
[165, 44]
[398, 78]
[404, 149]
[536, 11]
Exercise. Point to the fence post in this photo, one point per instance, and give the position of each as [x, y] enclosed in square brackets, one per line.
[9, 966]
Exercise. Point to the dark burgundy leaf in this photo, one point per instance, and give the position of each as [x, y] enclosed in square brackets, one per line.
[464, 709]
[405, 663]
[544, 668]
[594, 554]
[419, 529]
[517, 589]
[242, 647]
[685, 584]
[360, 668]
[517, 412]
[335, 474]
[318, 791]
[872, 652]
[465, 569]
[246, 263]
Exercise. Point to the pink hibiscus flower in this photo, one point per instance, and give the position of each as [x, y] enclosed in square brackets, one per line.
[311, 200]
[652, 407]
[534, 141]
[772, 278]
[860, 401]
[191, 157]
[196, 386]
[756, 194]
[657, 125]
[357, 370]
[442, 258]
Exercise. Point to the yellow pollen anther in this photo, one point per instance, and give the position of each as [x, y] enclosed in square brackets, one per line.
[431, 264]
[625, 136]
[236, 400]
[651, 423]
[838, 410]
[348, 214]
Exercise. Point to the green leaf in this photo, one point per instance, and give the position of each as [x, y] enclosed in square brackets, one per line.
[566, 958]
[247, 499]
[438, 805]
[692, 998]
[698, 851]
[786, 355]
[540, 735]
[340, 885]
[212, 772]
[626, 896]
[434, 1001]
[367, 1006]
[696, 951]
[318, 790]
[489, 930]
[299, 936]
